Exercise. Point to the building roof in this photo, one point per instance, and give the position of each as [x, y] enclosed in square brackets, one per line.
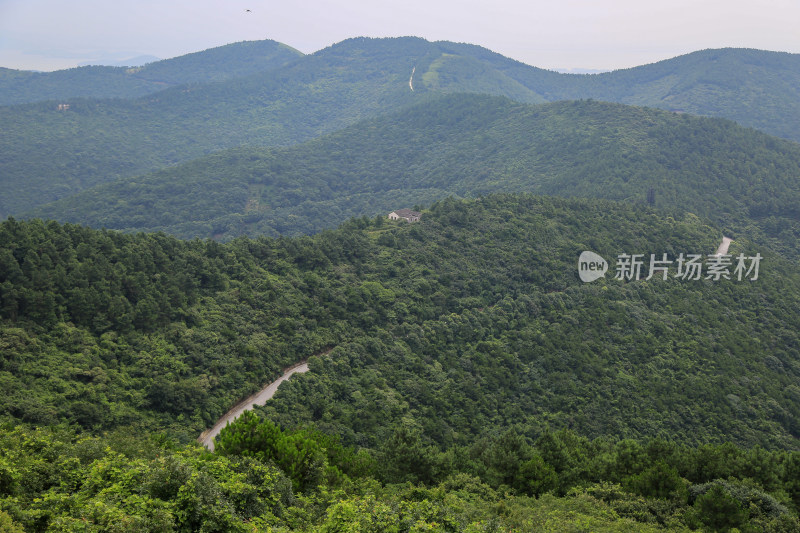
[407, 213]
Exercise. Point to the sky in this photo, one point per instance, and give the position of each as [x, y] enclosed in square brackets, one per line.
[553, 34]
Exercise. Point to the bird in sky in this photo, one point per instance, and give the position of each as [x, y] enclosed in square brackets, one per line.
[248, 11]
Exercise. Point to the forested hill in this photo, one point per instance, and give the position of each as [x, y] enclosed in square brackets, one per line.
[96, 141]
[465, 145]
[467, 359]
[143, 327]
[756, 88]
[216, 64]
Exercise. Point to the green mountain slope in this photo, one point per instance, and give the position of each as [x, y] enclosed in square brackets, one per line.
[756, 88]
[96, 141]
[480, 302]
[98, 483]
[463, 145]
[473, 378]
[215, 64]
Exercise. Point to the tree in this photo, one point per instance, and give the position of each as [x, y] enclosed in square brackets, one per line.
[718, 510]
[659, 481]
[536, 477]
[299, 456]
[404, 457]
[7, 525]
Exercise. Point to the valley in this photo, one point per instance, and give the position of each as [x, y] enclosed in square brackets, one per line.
[201, 246]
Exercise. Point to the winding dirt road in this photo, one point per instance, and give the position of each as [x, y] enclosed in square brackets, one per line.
[206, 438]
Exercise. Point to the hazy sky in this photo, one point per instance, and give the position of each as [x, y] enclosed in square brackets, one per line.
[609, 34]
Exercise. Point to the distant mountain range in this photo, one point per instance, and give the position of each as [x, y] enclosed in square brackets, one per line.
[267, 94]
[754, 87]
[107, 80]
[463, 146]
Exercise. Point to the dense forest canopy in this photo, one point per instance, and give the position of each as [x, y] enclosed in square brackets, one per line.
[463, 146]
[477, 280]
[457, 340]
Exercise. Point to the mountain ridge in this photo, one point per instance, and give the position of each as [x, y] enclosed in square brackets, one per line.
[106, 81]
[94, 141]
[464, 146]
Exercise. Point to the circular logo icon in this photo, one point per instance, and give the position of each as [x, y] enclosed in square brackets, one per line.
[591, 266]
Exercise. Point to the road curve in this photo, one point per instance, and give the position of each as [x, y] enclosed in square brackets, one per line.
[723, 247]
[206, 438]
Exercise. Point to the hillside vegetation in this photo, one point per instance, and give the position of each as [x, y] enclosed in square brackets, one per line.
[468, 359]
[482, 296]
[756, 88]
[462, 376]
[96, 141]
[216, 64]
[463, 145]
[57, 480]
